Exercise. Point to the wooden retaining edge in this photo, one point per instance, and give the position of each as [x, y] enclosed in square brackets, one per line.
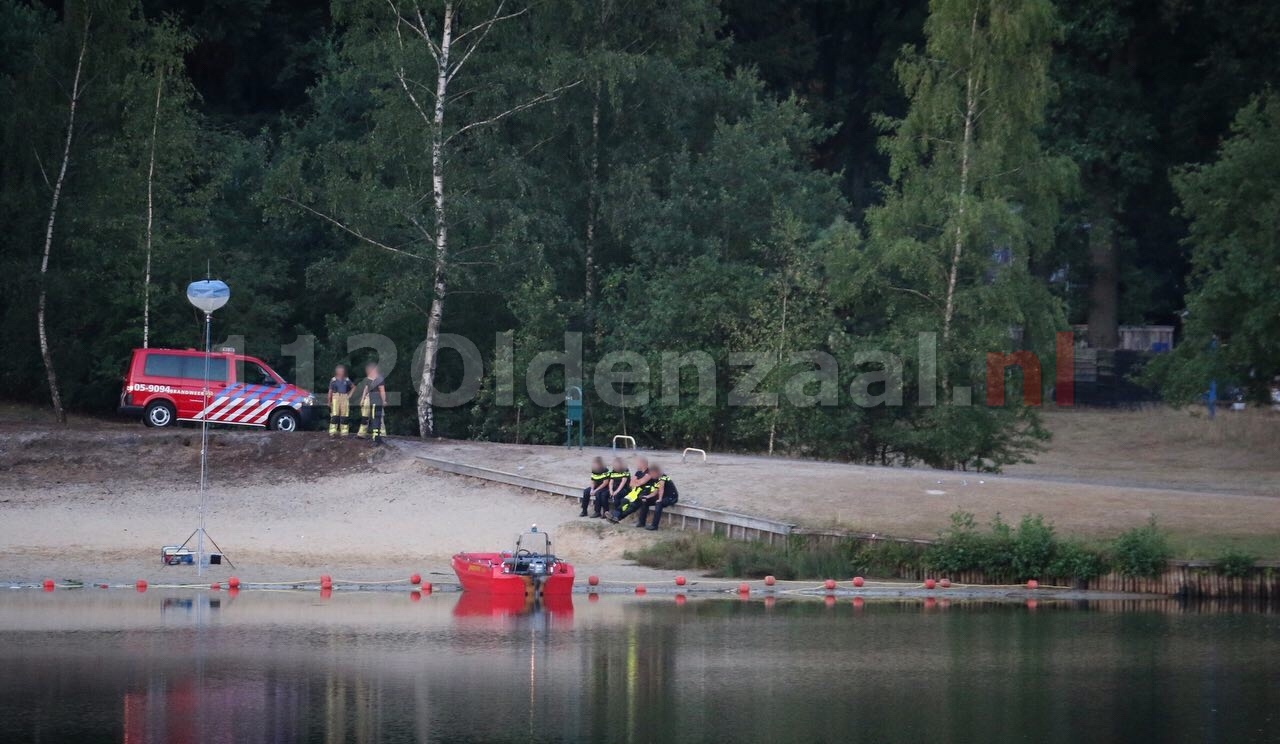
[814, 534]
[684, 516]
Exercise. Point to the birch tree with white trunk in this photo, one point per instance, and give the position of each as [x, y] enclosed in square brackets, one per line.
[149, 229]
[441, 35]
[74, 94]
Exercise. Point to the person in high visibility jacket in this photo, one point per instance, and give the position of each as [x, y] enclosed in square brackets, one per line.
[373, 405]
[599, 484]
[640, 484]
[619, 476]
[664, 494]
[340, 388]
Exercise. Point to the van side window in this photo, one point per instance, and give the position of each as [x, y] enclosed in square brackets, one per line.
[254, 374]
[193, 368]
[163, 365]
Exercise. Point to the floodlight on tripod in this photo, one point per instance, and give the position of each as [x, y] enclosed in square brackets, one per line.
[206, 295]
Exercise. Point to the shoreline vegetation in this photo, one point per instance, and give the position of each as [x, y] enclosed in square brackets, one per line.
[1002, 553]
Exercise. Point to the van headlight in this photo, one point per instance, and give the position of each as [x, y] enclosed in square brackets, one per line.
[310, 400]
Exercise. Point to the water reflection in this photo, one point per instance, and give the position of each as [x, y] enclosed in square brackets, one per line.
[539, 610]
[380, 667]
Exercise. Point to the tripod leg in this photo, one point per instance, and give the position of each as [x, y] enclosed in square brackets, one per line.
[215, 546]
[184, 542]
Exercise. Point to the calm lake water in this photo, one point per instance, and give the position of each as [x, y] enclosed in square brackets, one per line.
[280, 667]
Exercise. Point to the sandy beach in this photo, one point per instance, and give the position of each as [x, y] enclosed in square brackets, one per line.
[94, 506]
[95, 501]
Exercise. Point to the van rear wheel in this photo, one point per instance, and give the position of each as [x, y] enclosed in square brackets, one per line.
[284, 420]
[159, 415]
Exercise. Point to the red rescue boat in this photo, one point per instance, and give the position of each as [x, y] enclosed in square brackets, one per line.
[531, 570]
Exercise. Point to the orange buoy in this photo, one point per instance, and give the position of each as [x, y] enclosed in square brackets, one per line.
[640, 589]
[829, 584]
[593, 580]
[48, 585]
[769, 581]
[426, 587]
[857, 581]
[945, 583]
[929, 583]
[744, 588]
[233, 582]
[415, 579]
[679, 581]
[415, 596]
[326, 581]
[140, 585]
[215, 586]
[1033, 584]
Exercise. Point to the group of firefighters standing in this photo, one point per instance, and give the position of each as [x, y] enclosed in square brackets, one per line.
[373, 403]
[615, 492]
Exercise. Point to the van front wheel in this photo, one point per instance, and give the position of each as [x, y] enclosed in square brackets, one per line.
[158, 415]
[284, 420]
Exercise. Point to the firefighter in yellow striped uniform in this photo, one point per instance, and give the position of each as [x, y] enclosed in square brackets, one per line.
[373, 405]
[340, 388]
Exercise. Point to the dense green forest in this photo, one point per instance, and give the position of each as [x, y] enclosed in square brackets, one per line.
[838, 206]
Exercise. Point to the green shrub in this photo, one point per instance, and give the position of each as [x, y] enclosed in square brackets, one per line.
[730, 558]
[1142, 551]
[1034, 545]
[885, 558]
[1074, 561]
[997, 557]
[963, 548]
[1235, 564]
[755, 560]
[958, 549]
[686, 551]
[1030, 551]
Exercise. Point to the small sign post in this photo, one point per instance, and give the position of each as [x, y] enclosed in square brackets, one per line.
[572, 415]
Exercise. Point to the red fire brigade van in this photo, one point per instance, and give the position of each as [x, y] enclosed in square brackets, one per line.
[167, 385]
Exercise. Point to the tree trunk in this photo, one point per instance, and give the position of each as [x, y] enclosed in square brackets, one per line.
[782, 342]
[151, 174]
[45, 354]
[426, 388]
[970, 114]
[593, 196]
[1104, 285]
